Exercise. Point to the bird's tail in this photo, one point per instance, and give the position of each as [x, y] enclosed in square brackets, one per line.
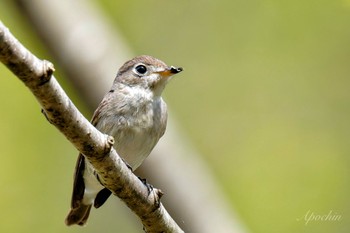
[78, 215]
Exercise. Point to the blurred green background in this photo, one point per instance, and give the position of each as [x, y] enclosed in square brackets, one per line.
[264, 97]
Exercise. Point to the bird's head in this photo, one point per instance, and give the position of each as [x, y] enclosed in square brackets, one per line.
[146, 72]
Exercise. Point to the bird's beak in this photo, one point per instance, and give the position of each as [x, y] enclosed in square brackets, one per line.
[170, 71]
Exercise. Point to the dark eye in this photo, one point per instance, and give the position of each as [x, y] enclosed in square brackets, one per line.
[141, 69]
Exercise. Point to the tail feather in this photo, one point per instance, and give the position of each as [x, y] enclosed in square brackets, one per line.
[78, 215]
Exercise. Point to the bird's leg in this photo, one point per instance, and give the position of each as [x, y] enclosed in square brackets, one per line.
[126, 163]
[149, 186]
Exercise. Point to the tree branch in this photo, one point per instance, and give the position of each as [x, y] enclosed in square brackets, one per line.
[96, 147]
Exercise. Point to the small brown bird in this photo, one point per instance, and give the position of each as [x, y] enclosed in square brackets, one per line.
[134, 113]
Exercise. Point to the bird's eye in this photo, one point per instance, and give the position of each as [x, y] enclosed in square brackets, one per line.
[141, 69]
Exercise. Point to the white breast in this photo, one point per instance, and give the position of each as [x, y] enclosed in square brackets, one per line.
[137, 126]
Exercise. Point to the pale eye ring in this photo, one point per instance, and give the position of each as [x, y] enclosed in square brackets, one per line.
[141, 69]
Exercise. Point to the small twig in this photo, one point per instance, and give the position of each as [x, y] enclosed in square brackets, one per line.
[98, 148]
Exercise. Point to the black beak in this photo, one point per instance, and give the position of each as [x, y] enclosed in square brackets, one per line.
[175, 70]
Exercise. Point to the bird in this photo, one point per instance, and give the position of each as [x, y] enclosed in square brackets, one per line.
[134, 113]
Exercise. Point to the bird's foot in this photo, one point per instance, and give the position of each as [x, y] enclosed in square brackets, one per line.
[149, 186]
[126, 163]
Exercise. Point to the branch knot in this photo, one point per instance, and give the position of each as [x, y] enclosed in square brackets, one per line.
[48, 69]
[110, 143]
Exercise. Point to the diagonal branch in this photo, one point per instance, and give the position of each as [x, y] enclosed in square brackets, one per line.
[37, 75]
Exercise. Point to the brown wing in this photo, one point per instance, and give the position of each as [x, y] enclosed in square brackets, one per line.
[78, 185]
[103, 105]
